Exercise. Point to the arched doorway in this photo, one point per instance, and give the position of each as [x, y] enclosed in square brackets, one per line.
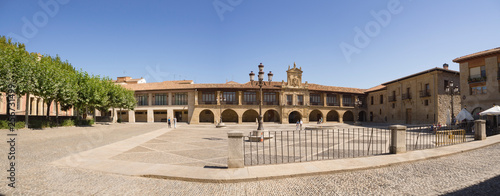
[250, 116]
[271, 116]
[348, 116]
[362, 116]
[315, 115]
[229, 116]
[475, 113]
[294, 117]
[207, 116]
[332, 116]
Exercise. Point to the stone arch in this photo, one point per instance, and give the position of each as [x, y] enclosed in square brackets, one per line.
[362, 116]
[271, 116]
[207, 116]
[229, 115]
[332, 116]
[294, 116]
[250, 116]
[315, 115]
[475, 112]
[348, 116]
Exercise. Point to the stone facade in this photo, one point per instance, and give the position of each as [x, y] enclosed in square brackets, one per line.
[416, 99]
[36, 105]
[488, 62]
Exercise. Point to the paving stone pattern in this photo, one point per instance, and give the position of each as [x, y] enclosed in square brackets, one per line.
[470, 173]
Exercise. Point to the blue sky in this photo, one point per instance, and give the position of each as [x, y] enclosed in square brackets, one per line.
[191, 39]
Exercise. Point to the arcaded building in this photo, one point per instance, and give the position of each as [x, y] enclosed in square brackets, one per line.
[283, 102]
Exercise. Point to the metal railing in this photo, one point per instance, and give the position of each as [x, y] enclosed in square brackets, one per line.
[278, 147]
[406, 96]
[425, 93]
[392, 98]
[426, 137]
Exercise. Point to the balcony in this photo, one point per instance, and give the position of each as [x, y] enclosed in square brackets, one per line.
[425, 93]
[347, 104]
[270, 103]
[208, 103]
[477, 79]
[406, 96]
[333, 103]
[250, 103]
[316, 103]
[392, 98]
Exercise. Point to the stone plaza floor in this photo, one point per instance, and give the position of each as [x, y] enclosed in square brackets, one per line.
[203, 146]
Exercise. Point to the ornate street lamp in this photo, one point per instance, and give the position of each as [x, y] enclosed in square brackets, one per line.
[452, 90]
[260, 83]
[221, 100]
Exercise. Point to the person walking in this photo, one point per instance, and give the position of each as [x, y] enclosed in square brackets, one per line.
[297, 126]
[175, 123]
[168, 122]
[301, 124]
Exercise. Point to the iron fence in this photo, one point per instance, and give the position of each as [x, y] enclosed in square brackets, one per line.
[278, 147]
[428, 136]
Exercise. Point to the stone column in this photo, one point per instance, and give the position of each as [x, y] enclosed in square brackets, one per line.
[479, 130]
[240, 96]
[324, 99]
[169, 98]
[217, 96]
[341, 97]
[150, 99]
[398, 139]
[150, 116]
[195, 97]
[131, 116]
[235, 150]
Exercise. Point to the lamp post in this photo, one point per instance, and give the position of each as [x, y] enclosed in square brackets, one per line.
[221, 100]
[452, 90]
[260, 83]
[357, 103]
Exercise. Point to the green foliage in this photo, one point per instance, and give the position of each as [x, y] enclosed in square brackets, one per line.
[119, 120]
[68, 123]
[85, 122]
[5, 124]
[41, 124]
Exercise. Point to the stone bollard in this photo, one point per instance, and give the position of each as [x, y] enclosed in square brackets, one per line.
[235, 148]
[398, 139]
[479, 130]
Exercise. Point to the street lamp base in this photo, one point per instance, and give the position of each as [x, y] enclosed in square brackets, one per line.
[220, 125]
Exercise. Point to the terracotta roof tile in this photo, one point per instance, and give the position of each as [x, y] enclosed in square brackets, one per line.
[376, 88]
[477, 54]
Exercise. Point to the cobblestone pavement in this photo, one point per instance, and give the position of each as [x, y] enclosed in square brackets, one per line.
[470, 173]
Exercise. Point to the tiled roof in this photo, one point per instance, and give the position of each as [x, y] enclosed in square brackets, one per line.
[176, 85]
[423, 72]
[477, 54]
[376, 88]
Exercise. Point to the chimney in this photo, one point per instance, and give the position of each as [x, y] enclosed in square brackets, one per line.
[445, 66]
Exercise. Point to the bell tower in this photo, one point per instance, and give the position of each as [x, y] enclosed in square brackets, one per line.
[294, 76]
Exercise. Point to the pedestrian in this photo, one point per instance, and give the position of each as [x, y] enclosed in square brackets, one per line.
[297, 126]
[301, 124]
[168, 122]
[175, 123]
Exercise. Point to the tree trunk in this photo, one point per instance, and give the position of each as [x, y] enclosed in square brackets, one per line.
[27, 110]
[48, 109]
[57, 112]
[8, 105]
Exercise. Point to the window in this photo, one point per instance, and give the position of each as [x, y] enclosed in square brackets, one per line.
[250, 97]
[161, 99]
[477, 72]
[289, 99]
[180, 99]
[208, 97]
[229, 97]
[381, 99]
[142, 99]
[426, 102]
[393, 105]
[331, 100]
[270, 98]
[478, 90]
[371, 100]
[445, 84]
[380, 112]
[315, 99]
[300, 99]
[347, 100]
[19, 103]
